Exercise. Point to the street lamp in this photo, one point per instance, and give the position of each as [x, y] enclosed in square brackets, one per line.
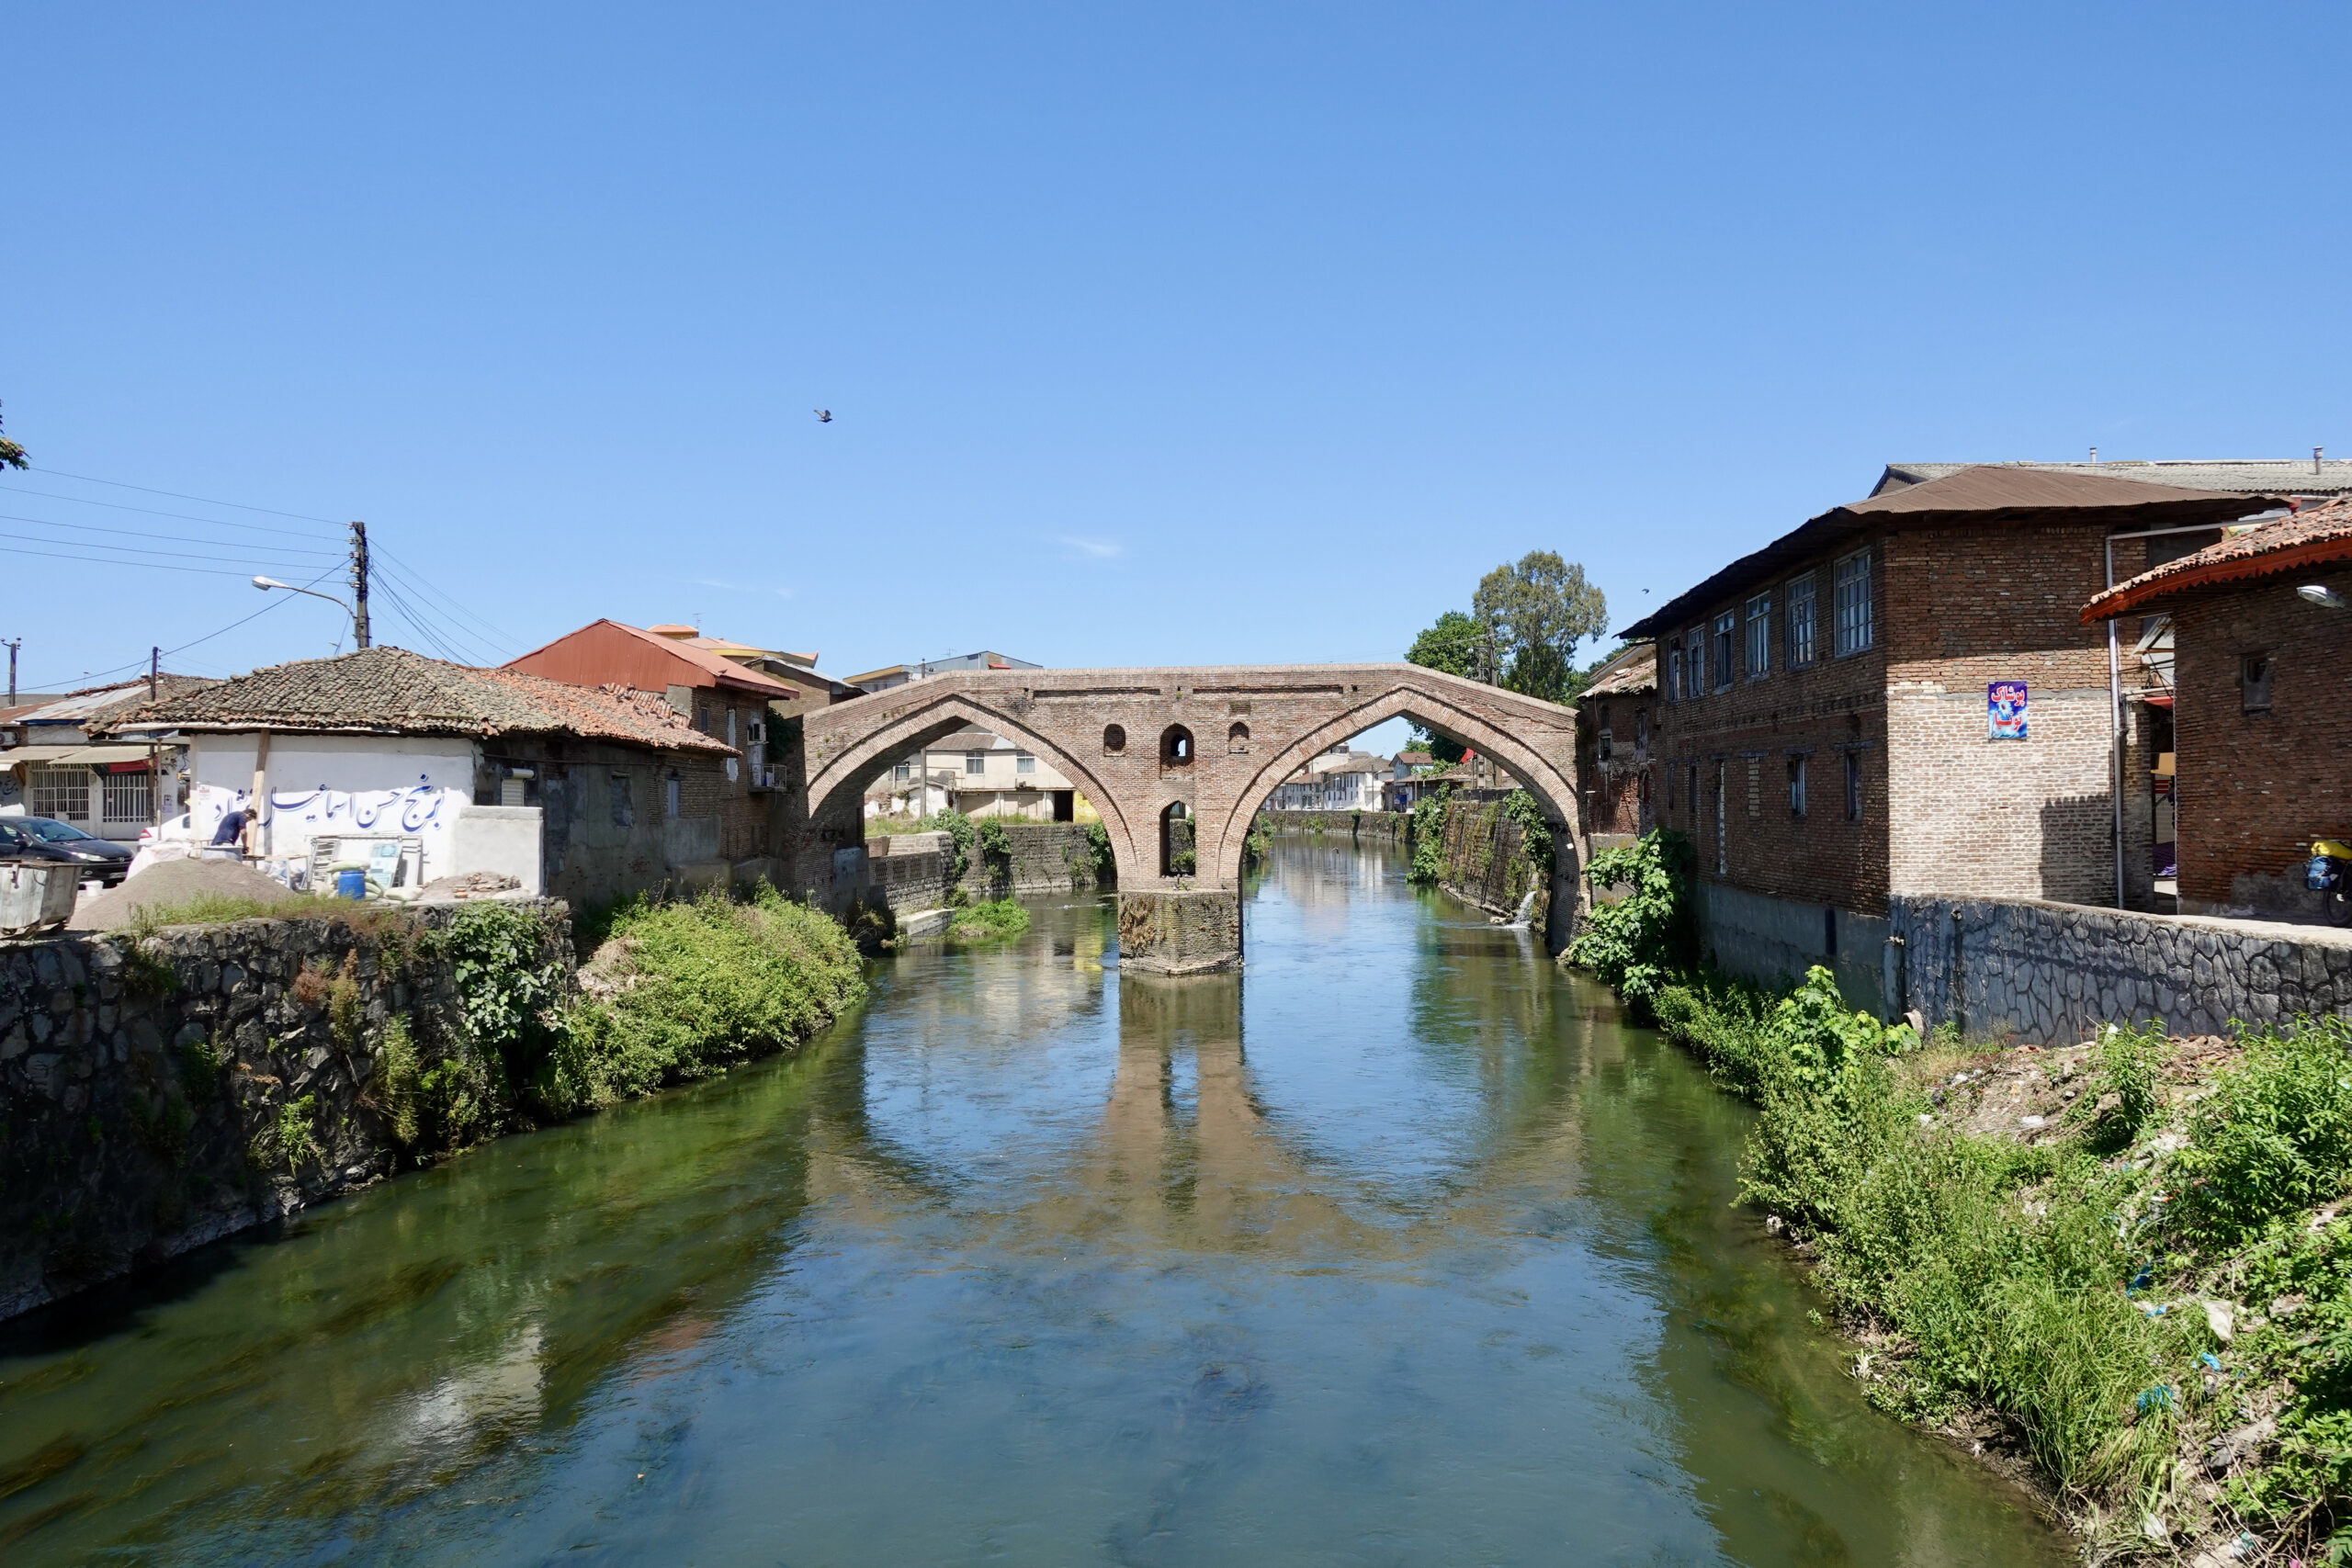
[266, 584]
[2326, 598]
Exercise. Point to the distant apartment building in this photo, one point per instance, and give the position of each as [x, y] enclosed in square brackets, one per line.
[979, 775]
[1900, 697]
[1337, 780]
[891, 675]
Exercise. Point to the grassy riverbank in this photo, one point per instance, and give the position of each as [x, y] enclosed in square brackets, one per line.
[2117, 1269]
[675, 991]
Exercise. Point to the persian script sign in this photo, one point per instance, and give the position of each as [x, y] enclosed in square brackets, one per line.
[2004, 710]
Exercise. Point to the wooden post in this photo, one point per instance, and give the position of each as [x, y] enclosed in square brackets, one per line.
[256, 843]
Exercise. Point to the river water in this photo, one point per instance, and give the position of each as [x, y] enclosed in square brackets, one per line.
[1397, 1248]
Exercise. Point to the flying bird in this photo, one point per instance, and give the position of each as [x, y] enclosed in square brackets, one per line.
[824, 416]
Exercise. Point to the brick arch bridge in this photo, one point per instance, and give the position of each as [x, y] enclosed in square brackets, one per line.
[1115, 735]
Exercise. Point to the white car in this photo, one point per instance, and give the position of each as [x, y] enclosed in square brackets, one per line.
[178, 830]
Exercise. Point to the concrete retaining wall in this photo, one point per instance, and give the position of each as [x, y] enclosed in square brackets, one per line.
[144, 1089]
[1393, 826]
[1772, 940]
[2050, 974]
[909, 871]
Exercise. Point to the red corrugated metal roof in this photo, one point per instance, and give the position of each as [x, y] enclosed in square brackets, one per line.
[613, 652]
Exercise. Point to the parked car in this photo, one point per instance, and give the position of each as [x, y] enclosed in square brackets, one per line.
[180, 829]
[44, 838]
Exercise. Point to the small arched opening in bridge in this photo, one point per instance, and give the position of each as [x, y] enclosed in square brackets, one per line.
[1179, 851]
[1237, 739]
[1114, 740]
[1175, 750]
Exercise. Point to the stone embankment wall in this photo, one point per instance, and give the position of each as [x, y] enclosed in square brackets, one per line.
[157, 1095]
[909, 871]
[2045, 973]
[1393, 826]
[1483, 860]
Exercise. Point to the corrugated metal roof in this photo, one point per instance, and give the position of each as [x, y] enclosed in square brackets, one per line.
[2318, 535]
[78, 707]
[2244, 476]
[1979, 495]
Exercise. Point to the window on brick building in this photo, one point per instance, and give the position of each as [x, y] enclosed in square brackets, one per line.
[903, 771]
[1694, 663]
[1690, 792]
[1796, 616]
[1796, 788]
[1641, 730]
[1760, 636]
[624, 809]
[2253, 682]
[670, 793]
[1726, 631]
[1674, 670]
[1853, 590]
[1723, 814]
[1853, 786]
[1604, 744]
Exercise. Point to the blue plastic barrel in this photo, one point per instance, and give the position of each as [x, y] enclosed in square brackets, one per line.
[351, 883]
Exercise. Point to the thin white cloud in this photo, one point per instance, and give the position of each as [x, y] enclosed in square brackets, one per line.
[1090, 549]
[734, 587]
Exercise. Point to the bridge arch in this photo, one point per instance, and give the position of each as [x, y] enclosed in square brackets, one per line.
[941, 715]
[1430, 707]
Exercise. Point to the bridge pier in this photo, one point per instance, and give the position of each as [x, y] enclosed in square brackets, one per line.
[1180, 930]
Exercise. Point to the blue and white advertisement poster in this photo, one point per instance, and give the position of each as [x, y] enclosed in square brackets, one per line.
[2004, 710]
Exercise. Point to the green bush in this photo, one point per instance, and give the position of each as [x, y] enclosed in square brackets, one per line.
[1534, 832]
[989, 922]
[960, 836]
[2275, 1134]
[1427, 831]
[394, 1090]
[701, 983]
[1098, 845]
[1637, 945]
[2125, 1093]
[996, 848]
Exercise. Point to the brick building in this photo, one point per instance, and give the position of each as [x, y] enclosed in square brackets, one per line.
[2261, 699]
[1828, 731]
[1614, 717]
[743, 696]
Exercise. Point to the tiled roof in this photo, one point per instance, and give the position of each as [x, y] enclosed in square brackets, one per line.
[1633, 669]
[2244, 476]
[390, 691]
[2317, 535]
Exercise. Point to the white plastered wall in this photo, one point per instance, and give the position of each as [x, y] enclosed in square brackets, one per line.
[382, 786]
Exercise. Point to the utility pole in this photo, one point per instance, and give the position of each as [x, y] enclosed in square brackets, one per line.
[154, 669]
[14, 645]
[360, 584]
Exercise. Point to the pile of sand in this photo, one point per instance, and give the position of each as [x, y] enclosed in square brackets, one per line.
[172, 882]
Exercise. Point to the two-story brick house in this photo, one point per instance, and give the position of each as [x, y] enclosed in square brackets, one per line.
[1613, 715]
[1900, 697]
[2262, 695]
[715, 686]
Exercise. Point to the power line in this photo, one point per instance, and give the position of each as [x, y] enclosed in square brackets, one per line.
[150, 550]
[458, 615]
[418, 623]
[176, 495]
[185, 516]
[276, 600]
[109, 561]
[142, 534]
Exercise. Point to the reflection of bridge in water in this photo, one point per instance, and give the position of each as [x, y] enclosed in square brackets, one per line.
[1148, 747]
[1179, 1149]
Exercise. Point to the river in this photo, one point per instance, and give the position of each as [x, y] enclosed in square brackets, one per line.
[1398, 1248]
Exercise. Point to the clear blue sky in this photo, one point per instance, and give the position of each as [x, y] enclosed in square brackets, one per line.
[1187, 334]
